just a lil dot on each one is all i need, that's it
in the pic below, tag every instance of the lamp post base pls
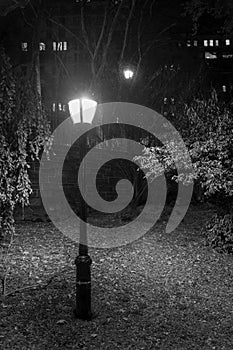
(83, 287)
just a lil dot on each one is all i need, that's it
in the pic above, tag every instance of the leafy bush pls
(219, 233)
(24, 131)
(206, 128)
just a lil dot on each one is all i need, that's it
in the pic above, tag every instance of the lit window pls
(216, 42)
(188, 43)
(227, 55)
(228, 42)
(24, 46)
(211, 42)
(195, 43)
(210, 56)
(42, 46)
(224, 88)
(205, 42)
(58, 106)
(165, 100)
(60, 46)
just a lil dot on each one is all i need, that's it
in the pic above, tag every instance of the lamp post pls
(82, 111)
(128, 75)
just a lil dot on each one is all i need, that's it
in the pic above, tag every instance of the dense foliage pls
(206, 128)
(24, 130)
(218, 12)
(219, 233)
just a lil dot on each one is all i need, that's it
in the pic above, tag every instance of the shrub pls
(24, 132)
(219, 233)
(206, 128)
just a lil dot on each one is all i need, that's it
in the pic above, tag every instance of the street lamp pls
(128, 73)
(82, 111)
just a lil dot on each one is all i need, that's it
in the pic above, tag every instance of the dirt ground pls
(163, 291)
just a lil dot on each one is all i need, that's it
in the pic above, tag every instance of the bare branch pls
(127, 29)
(151, 6)
(149, 47)
(65, 69)
(33, 9)
(84, 31)
(139, 48)
(102, 31)
(25, 20)
(109, 39)
(6, 8)
(73, 34)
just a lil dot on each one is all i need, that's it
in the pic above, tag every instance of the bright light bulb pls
(128, 73)
(88, 109)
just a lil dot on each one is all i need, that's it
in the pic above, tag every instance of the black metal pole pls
(83, 260)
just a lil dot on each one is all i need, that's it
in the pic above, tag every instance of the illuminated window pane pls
(228, 42)
(42, 46)
(227, 55)
(24, 46)
(59, 106)
(210, 56)
(188, 43)
(59, 46)
(211, 42)
(224, 88)
(216, 42)
(195, 43)
(54, 107)
(205, 42)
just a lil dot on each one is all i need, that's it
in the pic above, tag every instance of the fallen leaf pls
(61, 321)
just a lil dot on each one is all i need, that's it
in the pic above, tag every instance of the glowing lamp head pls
(82, 110)
(128, 73)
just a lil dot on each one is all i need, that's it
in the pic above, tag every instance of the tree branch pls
(84, 31)
(149, 47)
(127, 30)
(109, 39)
(70, 32)
(102, 31)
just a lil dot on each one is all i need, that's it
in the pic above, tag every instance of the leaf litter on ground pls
(164, 291)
